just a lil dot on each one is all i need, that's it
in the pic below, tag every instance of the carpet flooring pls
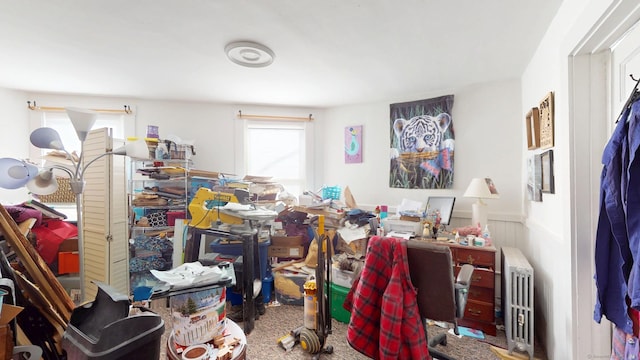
(262, 342)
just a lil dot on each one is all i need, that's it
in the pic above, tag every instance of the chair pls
(441, 297)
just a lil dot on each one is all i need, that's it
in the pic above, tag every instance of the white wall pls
(487, 124)
(212, 126)
(550, 243)
(14, 137)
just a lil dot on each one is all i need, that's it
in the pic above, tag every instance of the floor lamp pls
(16, 173)
(480, 188)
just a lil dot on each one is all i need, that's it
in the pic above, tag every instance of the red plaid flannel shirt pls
(385, 320)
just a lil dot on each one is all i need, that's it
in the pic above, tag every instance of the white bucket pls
(198, 316)
(199, 352)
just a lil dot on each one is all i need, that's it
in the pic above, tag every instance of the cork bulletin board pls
(545, 110)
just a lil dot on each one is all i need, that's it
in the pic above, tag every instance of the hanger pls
(635, 94)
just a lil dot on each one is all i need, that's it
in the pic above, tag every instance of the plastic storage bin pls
(68, 262)
(338, 294)
(342, 278)
(103, 330)
(331, 192)
(236, 250)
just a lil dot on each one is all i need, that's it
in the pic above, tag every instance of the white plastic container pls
(342, 278)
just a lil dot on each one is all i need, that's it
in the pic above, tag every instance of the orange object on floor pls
(68, 262)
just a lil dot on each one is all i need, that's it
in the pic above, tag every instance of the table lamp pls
(480, 188)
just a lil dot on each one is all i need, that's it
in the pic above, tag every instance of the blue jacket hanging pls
(618, 234)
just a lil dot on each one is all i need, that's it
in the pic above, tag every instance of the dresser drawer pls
(481, 277)
(481, 294)
(475, 257)
(480, 311)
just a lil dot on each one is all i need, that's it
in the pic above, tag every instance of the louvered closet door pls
(105, 216)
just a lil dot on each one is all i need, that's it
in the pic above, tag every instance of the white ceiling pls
(327, 53)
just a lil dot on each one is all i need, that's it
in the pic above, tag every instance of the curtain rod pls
(272, 117)
(125, 110)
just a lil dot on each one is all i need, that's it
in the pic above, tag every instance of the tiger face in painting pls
(422, 133)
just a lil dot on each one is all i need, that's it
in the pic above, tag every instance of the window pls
(119, 123)
(279, 150)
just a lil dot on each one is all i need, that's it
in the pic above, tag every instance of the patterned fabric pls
(385, 321)
(624, 346)
(422, 144)
(147, 263)
(157, 219)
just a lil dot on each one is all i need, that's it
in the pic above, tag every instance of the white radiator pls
(517, 298)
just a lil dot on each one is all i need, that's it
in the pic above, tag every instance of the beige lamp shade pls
(480, 188)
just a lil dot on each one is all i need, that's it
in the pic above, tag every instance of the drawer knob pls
(470, 259)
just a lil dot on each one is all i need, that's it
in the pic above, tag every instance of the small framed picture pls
(353, 144)
(532, 123)
(546, 161)
(534, 182)
(546, 118)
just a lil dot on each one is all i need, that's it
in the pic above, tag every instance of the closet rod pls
(126, 109)
(272, 117)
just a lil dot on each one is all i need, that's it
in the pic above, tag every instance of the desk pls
(480, 310)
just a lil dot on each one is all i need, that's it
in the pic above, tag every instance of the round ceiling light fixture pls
(250, 54)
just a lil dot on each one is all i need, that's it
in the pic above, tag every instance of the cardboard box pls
(68, 245)
(7, 314)
(286, 240)
(295, 252)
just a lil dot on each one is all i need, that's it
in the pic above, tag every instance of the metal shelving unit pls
(158, 193)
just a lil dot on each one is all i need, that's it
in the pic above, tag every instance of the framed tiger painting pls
(422, 144)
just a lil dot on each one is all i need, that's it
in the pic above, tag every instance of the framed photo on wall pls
(534, 182)
(546, 161)
(532, 123)
(546, 121)
(353, 144)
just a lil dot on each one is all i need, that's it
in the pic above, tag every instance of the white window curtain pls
(280, 150)
(121, 125)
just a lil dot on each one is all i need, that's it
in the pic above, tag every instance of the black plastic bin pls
(103, 330)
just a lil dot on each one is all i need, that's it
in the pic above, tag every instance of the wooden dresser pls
(480, 310)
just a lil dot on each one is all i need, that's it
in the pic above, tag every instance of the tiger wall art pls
(422, 144)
